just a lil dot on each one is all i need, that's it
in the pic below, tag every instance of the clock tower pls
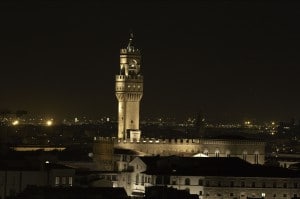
(129, 92)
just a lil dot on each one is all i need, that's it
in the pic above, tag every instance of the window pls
(242, 184)
(63, 180)
(56, 181)
(253, 184)
(187, 181)
(231, 194)
(200, 182)
(142, 180)
(137, 177)
(206, 152)
(295, 195)
(245, 155)
(70, 179)
(284, 195)
(285, 185)
(217, 153)
(274, 195)
(295, 185)
(200, 193)
(232, 184)
(263, 185)
(207, 183)
(256, 158)
(174, 182)
(219, 184)
(274, 184)
(188, 190)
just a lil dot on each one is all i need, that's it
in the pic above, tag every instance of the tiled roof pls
(208, 166)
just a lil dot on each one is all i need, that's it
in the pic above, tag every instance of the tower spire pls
(130, 46)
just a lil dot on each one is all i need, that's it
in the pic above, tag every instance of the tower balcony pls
(129, 77)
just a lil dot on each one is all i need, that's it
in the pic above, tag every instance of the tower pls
(129, 92)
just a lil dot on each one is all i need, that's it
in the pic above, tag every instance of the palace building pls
(129, 92)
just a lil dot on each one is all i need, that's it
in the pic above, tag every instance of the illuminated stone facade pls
(129, 92)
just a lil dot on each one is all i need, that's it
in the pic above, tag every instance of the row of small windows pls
(63, 181)
(144, 179)
(129, 86)
(187, 181)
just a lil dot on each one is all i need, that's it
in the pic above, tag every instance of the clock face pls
(133, 63)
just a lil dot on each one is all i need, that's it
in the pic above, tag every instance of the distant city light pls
(273, 123)
(16, 122)
(247, 122)
(49, 122)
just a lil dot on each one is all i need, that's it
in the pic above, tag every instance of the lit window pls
(256, 158)
(70, 181)
(245, 155)
(56, 181)
(217, 153)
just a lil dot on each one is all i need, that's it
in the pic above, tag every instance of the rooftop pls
(209, 166)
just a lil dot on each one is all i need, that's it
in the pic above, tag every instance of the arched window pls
(200, 182)
(187, 181)
(217, 153)
(228, 153)
(205, 152)
(244, 155)
(256, 157)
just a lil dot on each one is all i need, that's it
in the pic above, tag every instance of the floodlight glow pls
(16, 122)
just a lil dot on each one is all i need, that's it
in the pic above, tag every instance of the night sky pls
(231, 60)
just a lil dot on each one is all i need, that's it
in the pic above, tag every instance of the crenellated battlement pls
(182, 141)
(129, 51)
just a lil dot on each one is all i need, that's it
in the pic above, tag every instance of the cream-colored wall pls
(186, 147)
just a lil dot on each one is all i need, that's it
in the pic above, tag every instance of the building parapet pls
(180, 141)
(126, 51)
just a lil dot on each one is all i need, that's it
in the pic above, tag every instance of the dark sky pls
(232, 60)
